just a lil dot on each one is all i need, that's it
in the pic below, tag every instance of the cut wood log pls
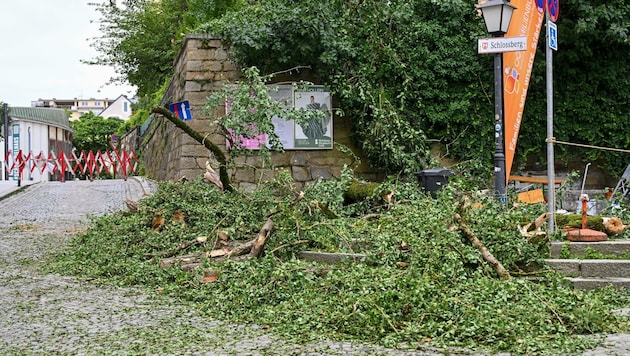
(261, 239)
(182, 260)
(538, 222)
(487, 256)
(186, 245)
(252, 249)
(613, 226)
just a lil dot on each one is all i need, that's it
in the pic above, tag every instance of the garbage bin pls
(433, 179)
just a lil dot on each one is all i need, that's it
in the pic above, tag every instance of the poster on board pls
(316, 133)
(313, 134)
(285, 129)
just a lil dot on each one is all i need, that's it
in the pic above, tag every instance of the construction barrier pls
(115, 162)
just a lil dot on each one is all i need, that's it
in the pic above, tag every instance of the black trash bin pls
(433, 179)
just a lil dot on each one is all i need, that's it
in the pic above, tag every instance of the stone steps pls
(584, 274)
(591, 274)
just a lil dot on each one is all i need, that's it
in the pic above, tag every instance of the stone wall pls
(203, 65)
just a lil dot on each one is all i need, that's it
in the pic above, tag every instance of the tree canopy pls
(406, 73)
(93, 133)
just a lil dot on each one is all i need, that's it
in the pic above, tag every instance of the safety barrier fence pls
(89, 164)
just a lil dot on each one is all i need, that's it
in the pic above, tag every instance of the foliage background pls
(406, 73)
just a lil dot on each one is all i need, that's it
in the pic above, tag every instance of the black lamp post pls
(497, 15)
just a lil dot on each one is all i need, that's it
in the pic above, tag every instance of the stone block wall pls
(203, 65)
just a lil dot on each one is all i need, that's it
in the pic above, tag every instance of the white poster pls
(315, 133)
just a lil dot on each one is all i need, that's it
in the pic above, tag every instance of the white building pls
(119, 108)
(33, 131)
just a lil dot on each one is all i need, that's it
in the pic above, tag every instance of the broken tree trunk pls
(216, 151)
(252, 248)
(496, 265)
(259, 242)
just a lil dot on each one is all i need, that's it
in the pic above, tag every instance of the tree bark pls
(496, 265)
(216, 151)
(259, 242)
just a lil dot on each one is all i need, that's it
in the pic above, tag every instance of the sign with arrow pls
(181, 110)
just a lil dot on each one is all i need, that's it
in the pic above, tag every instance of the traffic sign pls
(181, 110)
(552, 35)
(553, 6)
(501, 44)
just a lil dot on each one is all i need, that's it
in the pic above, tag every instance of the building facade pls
(42, 133)
(119, 108)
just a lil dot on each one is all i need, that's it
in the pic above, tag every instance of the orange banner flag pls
(517, 68)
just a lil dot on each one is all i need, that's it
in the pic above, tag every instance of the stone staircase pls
(591, 274)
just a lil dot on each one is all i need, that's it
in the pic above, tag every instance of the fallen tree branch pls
(299, 242)
(216, 151)
(198, 241)
(496, 265)
(538, 222)
(261, 239)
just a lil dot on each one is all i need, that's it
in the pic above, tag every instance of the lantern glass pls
(497, 15)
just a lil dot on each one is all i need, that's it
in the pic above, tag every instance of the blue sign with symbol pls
(181, 110)
(552, 34)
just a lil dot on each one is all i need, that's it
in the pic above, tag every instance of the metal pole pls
(551, 196)
(5, 122)
(499, 155)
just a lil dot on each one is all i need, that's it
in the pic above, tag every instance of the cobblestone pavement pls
(45, 314)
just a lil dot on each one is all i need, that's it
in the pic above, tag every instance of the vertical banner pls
(517, 68)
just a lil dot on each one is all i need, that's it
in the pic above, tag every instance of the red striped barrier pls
(88, 164)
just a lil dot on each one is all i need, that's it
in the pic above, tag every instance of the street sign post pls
(552, 35)
(501, 44)
(181, 110)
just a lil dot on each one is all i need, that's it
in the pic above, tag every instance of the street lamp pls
(497, 15)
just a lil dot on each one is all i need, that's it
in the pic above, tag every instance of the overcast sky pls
(42, 45)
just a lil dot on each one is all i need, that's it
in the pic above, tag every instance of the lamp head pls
(497, 15)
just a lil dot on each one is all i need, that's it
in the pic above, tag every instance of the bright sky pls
(43, 43)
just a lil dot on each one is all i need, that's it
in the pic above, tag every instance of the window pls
(125, 106)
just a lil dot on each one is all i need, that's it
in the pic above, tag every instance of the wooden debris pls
(209, 276)
(198, 241)
(223, 235)
(613, 226)
(178, 216)
(158, 222)
(263, 235)
(131, 205)
(212, 176)
(496, 265)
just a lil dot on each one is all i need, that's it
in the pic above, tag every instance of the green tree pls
(93, 133)
(407, 73)
(141, 37)
(591, 80)
(404, 72)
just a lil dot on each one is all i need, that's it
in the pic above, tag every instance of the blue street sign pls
(181, 110)
(552, 35)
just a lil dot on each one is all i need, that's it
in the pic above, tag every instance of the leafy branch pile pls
(422, 283)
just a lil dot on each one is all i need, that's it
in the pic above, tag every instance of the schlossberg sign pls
(501, 44)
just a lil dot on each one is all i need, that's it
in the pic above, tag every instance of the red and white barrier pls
(115, 162)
